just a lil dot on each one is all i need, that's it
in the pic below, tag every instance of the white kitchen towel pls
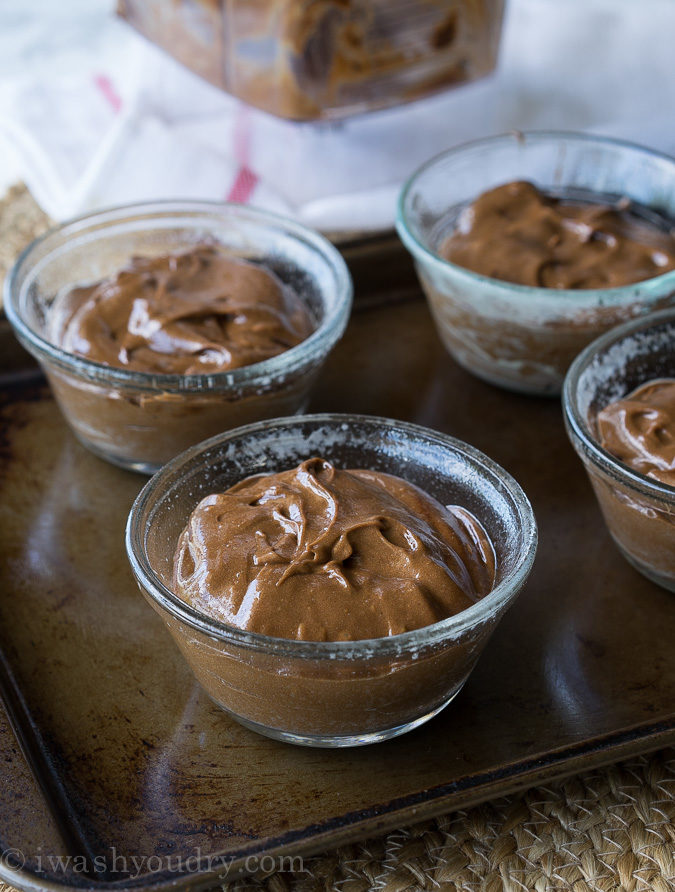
(91, 115)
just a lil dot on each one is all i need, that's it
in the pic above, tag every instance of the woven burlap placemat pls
(605, 830)
(609, 829)
(21, 220)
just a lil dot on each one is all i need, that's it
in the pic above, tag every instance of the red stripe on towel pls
(246, 180)
(243, 185)
(108, 91)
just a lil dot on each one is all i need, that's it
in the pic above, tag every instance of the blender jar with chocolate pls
(325, 58)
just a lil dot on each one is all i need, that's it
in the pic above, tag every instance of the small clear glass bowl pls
(140, 420)
(517, 336)
(343, 693)
(638, 510)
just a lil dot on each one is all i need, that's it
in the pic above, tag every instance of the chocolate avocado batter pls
(520, 234)
(639, 429)
(196, 312)
(322, 554)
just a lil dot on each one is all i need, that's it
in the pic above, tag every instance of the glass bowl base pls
(334, 741)
(665, 580)
(128, 464)
(532, 385)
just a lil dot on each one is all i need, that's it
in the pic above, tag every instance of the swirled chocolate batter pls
(196, 312)
(517, 233)
(639, 429)
(322, 554)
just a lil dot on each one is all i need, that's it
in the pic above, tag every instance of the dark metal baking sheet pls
(111, 753)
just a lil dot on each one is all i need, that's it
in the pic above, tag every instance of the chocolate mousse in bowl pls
(331, 579)
(619, 403)
(160, 325)
(529, 246)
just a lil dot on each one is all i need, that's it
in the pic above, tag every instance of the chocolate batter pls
(321, 554)
(639, 429)
(196, 312)
(520, 234)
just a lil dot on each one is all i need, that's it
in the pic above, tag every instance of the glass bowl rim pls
(319, 341)
(577, 425)
(575, 297)
(395, 645)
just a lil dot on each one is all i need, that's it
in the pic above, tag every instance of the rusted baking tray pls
(111, 755)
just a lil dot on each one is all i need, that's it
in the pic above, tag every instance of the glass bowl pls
(638, 510)
(140, 420)
(341, 693)
(517, 336)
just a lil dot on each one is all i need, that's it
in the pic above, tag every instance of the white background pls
(601, 65)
